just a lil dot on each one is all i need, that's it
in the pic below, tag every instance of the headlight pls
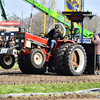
(17, 40)
(22, 41)
(2, 33)
(11, 33)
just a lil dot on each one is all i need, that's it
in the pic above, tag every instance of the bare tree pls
(93, 25)
(37, 24)
(38, 19)
(14, 17)
(26, 23)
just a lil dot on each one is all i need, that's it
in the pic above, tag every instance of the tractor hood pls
(24, 39)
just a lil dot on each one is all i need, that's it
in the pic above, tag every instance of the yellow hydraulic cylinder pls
(79, 5)
(54, 10)
(45, 19)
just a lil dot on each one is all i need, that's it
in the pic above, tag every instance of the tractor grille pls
(20, 39)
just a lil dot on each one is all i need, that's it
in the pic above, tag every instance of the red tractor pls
(67, 57)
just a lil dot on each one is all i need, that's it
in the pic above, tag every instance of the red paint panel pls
(10, 23)
(36, 38)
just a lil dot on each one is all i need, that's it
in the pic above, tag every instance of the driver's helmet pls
(56, 26)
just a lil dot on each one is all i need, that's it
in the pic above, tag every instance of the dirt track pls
(14, 77)
(63, 97)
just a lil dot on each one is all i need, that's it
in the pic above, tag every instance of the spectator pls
(0, 38)
(0, 42)
(3, 38)
(4, 44)
(69, 37)
(96, 40)
(12, 43)
(8, 42)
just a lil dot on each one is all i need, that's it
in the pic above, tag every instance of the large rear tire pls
(24, 65)
(20, 63)
(75, 60)
(58, 58)
(7, 61)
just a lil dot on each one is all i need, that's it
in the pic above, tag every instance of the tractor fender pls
(45, 53)
(69, 41)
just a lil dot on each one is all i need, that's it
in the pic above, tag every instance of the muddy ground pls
(63, 97)
(14, 77)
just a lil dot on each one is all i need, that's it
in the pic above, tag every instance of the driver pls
(53, 36)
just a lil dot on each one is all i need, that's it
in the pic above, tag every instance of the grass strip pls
(15, 66)
(47, 88)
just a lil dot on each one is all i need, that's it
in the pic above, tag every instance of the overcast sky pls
(17, 6)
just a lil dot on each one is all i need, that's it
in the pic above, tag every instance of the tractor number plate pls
(3, 51)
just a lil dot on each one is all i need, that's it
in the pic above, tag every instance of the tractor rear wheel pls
(7, 61)
(20, 63)
(37, 61)
(24, 65)
(75, 60)
(58, 58)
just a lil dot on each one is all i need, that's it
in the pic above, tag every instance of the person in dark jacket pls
(8, 41)
(53, 36)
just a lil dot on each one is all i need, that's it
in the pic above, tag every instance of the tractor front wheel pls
(37, 61)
